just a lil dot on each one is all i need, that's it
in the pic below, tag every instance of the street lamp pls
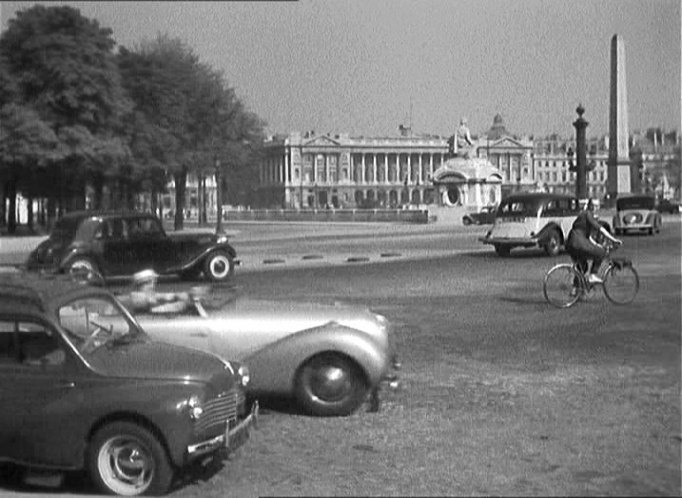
(218, 198)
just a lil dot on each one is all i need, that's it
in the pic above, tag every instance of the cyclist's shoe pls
(574, 292)
(594, 279)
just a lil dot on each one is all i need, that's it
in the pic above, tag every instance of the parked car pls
(670, 206)
(636, 213)
(83, 387)
(123, 243)
(485, 216)
(330, 359)
(532, 219)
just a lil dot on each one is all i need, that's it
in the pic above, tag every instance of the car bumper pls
(391, 379)
(509, 241)
(231, 439)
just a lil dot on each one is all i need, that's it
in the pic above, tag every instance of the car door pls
(116, 254)
(37, 381)
(163, 252)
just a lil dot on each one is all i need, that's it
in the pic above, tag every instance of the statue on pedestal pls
(463, 142)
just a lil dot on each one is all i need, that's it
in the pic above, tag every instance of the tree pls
(64, 70)
(188, 117)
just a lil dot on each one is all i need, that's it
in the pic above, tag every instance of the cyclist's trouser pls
(581, 250)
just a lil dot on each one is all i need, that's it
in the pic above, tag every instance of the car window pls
(30, 343)
(635, 202)
(144, 228)
(94, 322)
(113, 229)
(518, 207)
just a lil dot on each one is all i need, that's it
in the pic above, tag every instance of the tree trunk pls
(29, 212)
(12, 211)
(180, 179)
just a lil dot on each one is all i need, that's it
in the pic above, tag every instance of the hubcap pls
(220, 266)
(125, 466)
(330, 383)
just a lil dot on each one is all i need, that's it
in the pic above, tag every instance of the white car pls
(532, 219)
(636, 213)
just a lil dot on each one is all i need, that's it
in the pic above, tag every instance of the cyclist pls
(581, 244)
(145, 297)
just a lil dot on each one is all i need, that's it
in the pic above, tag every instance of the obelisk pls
(619, 177)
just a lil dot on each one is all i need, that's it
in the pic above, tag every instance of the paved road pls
(266, 246)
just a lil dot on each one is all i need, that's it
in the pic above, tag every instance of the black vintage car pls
(83, 387)
(122, 243)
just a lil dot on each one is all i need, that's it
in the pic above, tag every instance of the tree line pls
(78, 111)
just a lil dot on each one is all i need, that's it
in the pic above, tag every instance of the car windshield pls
(93, 323)
(636, 202)
(519, 207)
(65, 229)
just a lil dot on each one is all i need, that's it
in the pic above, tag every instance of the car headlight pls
(195, 408)
(244, 375)
(222, 239)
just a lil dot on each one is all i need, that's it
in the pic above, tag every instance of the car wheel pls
(85, 270)
(218, 266)
(126, 459)
(502, 250)
(330, 384)
(553, 244)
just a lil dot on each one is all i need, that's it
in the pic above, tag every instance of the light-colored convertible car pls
(330, 358)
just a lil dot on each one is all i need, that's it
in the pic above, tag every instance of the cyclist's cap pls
(145, 276)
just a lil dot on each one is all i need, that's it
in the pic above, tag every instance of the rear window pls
(636, 202)
(519, 207)
(529, 206)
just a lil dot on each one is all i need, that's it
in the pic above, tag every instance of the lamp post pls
(581, 154)
(218, 198)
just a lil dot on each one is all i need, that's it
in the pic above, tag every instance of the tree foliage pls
(61, 69)
(73, 111)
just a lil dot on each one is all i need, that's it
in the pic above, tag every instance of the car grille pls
(225, 407)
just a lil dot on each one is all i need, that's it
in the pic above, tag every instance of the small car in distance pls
(84, 388)
(669, 206)
(636, 213)
(329, 358)
(114, 243)
(532, 219)
(485, 216)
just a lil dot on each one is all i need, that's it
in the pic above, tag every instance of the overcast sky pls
(366, 66)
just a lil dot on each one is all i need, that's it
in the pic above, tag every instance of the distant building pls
(317, 171)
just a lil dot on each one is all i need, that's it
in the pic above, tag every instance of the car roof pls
(538, 195)
(43, 292)
(106, 214)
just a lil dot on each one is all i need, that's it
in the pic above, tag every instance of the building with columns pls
(318, 171)
(306, 171)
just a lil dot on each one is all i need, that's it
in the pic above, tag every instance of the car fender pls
(199, 258)
(550, 227)
(78, 252)
(273, 368)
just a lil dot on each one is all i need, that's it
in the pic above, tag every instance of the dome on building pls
(497, 130)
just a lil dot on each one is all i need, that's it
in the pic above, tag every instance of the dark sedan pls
(486, 216)
(114, 244)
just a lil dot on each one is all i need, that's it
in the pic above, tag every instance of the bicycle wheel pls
(621, 284)
(560, 287)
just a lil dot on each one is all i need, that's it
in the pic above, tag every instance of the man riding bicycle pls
(581, 244)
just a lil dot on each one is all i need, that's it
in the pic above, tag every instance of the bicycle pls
(565, 283)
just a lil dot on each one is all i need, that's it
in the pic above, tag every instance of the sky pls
(364, 67)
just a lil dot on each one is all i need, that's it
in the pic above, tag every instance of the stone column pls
(386, 167)
(374, 168)
(619, 175)
(364, 168)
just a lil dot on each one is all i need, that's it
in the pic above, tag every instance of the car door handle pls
(66, 384)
